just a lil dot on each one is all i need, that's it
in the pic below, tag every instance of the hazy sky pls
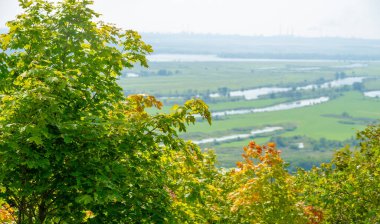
(344, 18)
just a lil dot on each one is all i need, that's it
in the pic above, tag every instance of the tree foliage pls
(74, 149)
(70, 142)
(346, 189)
(264, 190)
(195, 188)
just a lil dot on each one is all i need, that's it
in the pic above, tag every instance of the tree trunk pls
(21, 211)
(42, 212)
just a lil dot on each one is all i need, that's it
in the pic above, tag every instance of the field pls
(335, 121)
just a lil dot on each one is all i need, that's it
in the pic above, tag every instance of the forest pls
(76, 147)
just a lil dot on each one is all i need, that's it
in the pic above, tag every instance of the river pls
(239, 136)
(278, 107)
(372, 94)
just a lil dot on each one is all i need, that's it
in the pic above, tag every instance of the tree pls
(197, 189)
(264, 191)
(346, 189)
(340, 75)
(358, 86)
(223, 91)
(73, 148)
(164, 72)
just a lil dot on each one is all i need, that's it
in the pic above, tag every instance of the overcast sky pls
(343, 18)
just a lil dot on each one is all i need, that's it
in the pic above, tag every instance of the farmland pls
(309, 134)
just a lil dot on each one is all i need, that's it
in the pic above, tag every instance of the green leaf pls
(84, 199)
(35, 139)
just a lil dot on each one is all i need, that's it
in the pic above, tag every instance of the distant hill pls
(281, 47)
(273, 47)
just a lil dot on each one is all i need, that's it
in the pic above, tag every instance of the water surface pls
(252, 94)
(239, 136)
(278, 107)
(372, 93)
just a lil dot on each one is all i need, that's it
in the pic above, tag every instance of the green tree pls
(197, 188)
(358, 86)
(72, 147)
(223, 91)
(347, 188)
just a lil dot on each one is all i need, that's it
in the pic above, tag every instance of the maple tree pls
(71, 144)
(74, 149)
(264, 191)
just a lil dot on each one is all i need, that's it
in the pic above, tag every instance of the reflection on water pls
(336, 83)
(132, 75)
(252, 94)
(236, 137)
(278, 107)
(372, 94)
(214, 95)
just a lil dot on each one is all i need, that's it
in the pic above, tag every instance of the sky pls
(310, 18)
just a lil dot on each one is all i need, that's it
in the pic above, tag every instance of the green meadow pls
(338, 120)
(209, 76)
(313, 121)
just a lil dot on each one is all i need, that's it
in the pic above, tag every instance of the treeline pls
(301, 56)
(160, 72)
(276, 47)
(321, 144)
(258, 190)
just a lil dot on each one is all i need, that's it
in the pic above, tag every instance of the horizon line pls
(248, 35)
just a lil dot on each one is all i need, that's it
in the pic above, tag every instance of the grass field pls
(204, 76)
(309, 120)
(373, 84)
(339, 119)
